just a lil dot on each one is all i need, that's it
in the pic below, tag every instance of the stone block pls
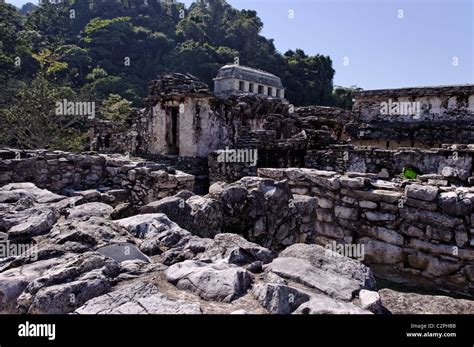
(420, 192)
(346, 213)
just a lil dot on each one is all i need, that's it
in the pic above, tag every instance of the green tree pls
(308, 79)
(102, 87)
(116, 109)
(32, 120)
(343, 96)
(16, 63)
(76, 58)
(53, 22)
(107, 40)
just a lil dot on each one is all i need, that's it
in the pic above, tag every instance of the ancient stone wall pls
(227, 171)
(437, 104)
(140, 181)
(282, 140)
(415, 234)
(423, 116)
(449, 164)
(109, 137)
(198, 167)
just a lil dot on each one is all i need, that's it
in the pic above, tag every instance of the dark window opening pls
(270, 91)
(278, 94)
(100, 143)
(241, 86)
(107, 141)
(260, 89)
(172, 133)
(251, 88)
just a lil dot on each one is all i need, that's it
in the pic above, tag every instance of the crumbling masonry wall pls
(283, 141)
(137, 181)
(449, 164)
(446, 116)
(416, 234)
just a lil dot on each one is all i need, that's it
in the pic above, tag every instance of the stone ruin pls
(443, 115)
(238, 79)
(184, 120)
(324, 220)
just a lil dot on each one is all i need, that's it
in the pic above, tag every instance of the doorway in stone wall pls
(173, 130)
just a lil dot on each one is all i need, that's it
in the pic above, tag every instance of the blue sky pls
(370, 46)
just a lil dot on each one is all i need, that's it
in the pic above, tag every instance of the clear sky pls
(375, 43)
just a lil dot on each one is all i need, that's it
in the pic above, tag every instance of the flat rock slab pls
(137, 298)
(301, 271)
(413, 303)
(326, 305)
(88, 234)
(91, 209)
(323, 270)
(15, 191)
(323, 258)
(66, 297)
(123, 252)
(218, 282)
(15, 280)
(69, 284)
(29, 222)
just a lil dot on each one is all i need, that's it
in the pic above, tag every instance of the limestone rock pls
(121, 252)
(175, 208)
(14, 281)
(147, 225)
(240, 251)
(29, 222)
(15, 191)
(218, 282)
(207, 216)
(187, 248)
(301, 271)
(325, 305)
(157, 230)
(278, 298)
(370, 300)
(420, 192)
(91, 209)
(124, 210)
(453, 205)
(137, 298)
(68, 284)
(324, 259)
(64, 298)
(83, 235)
(413, 303)
(435, 219)
(381, 252)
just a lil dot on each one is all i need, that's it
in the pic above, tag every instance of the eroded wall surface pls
(137, 181)
(445, 115)
(452, 164)
(416, 234)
